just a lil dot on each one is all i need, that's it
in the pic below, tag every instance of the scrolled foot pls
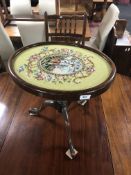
(34, 111)
(70, 154)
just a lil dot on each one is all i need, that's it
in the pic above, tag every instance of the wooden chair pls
(66, 28)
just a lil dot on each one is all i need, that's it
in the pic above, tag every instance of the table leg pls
(71, 153)
(36, 110)
(61, 106)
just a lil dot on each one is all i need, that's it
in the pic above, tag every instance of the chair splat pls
(65, 28)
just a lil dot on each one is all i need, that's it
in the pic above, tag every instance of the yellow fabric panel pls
(79, 80)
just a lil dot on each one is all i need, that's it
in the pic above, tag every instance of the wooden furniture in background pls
(71, 7)
(4, 12)
(80, 6)
(99, 9)
(12, 30)
(120, 27)
(118, 47)
(66, 28)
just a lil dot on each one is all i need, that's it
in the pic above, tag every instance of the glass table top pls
(61, 67)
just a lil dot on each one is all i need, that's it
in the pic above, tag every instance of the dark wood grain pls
(37, 145)
(9, 99)
(117, 109)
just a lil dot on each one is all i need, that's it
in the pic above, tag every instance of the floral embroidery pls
(58, 65)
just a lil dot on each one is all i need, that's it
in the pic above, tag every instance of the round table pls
(62, 73)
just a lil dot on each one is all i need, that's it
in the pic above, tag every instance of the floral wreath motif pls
(58, 65)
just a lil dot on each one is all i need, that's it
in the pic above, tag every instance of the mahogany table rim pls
(58, 98)
(59, 94)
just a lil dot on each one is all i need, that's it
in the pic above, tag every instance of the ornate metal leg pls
(82, 102)
(35, 111)
(71, 152)
(61, 106)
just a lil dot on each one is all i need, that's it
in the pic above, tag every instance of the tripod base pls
(60, 106)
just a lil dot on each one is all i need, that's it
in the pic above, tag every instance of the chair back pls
(106, 25)
(22, 7)
(6, 46)
(48, 6)
(66, 28)
(31, 31)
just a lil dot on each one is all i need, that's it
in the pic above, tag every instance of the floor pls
(37, 145)
(101, 133)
